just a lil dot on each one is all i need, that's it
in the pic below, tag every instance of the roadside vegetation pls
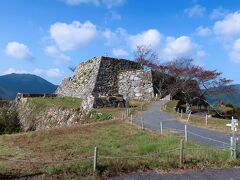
(113, 139)
(9, 121)
(214, 123)
(107, 113)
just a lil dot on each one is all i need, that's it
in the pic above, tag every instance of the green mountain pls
(12, 84)
(233, 99)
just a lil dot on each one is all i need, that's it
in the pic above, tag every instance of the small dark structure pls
(22, 95)
(110, 101)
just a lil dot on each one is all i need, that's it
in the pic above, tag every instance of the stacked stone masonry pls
(136, 84)
(103, 76)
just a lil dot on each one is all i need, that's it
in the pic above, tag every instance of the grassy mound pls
(113, 138)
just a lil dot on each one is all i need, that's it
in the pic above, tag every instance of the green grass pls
(213, 123)
(67, 102)
(113, 138)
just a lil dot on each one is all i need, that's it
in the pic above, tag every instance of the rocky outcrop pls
(35, 118)
(136, 84)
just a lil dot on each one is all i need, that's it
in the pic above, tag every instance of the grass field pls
(213, 123)
(113, 138)
(67, 102)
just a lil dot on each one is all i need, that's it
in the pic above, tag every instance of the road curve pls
(153, 116)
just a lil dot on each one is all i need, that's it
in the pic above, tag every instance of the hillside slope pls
(12, 84)
(233, 99)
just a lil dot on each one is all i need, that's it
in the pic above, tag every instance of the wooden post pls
(95, 159)
(131, 119)
(189, 115)
(185, 133)
(181, 153)
(181, 113)
(177, 111)
(235, 148)
(161, 127)
(141, 107)
(206, 119)
(122, 116)
(142, 122)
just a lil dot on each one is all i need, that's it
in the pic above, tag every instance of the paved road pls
(153, 116)
(218, 174)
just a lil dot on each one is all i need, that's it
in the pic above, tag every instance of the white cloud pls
(38, 71)
(218, 13)
(54, 73)
(108, 3)
(113, 3)
(56, 54)
(18, 51)
(113, 38)
(195, 11)
(235, 52)
(119, 52)
(77, 2)
(112, 16)
(229, 26)
(203, 31)
(13, 70)
(71, 36)
(151, 37)
(180, 47)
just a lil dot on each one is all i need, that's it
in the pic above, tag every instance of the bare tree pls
(145, 53)
(72, 68)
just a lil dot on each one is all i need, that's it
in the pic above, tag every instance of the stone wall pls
(83, 81)
(136, 84)
(107, 78)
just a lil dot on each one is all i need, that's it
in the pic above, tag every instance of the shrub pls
(101, 116)
(9, 122)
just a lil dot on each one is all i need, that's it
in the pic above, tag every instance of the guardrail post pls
(131, 119)
(95, 159)
(181, 153)
(122, 116)
(161, 127)
(142, 122)
(185, 133)
(181, 113)
(177, 111)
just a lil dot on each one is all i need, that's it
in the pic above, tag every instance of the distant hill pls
(12, 84)
(233, 99)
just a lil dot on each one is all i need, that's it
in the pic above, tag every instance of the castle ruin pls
(105, 76)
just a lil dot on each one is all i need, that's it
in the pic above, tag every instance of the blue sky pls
(45, 37)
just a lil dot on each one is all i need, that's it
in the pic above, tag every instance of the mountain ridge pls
(11, 84)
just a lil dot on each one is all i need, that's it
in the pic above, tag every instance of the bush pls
(103, 116)
(9, 122)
